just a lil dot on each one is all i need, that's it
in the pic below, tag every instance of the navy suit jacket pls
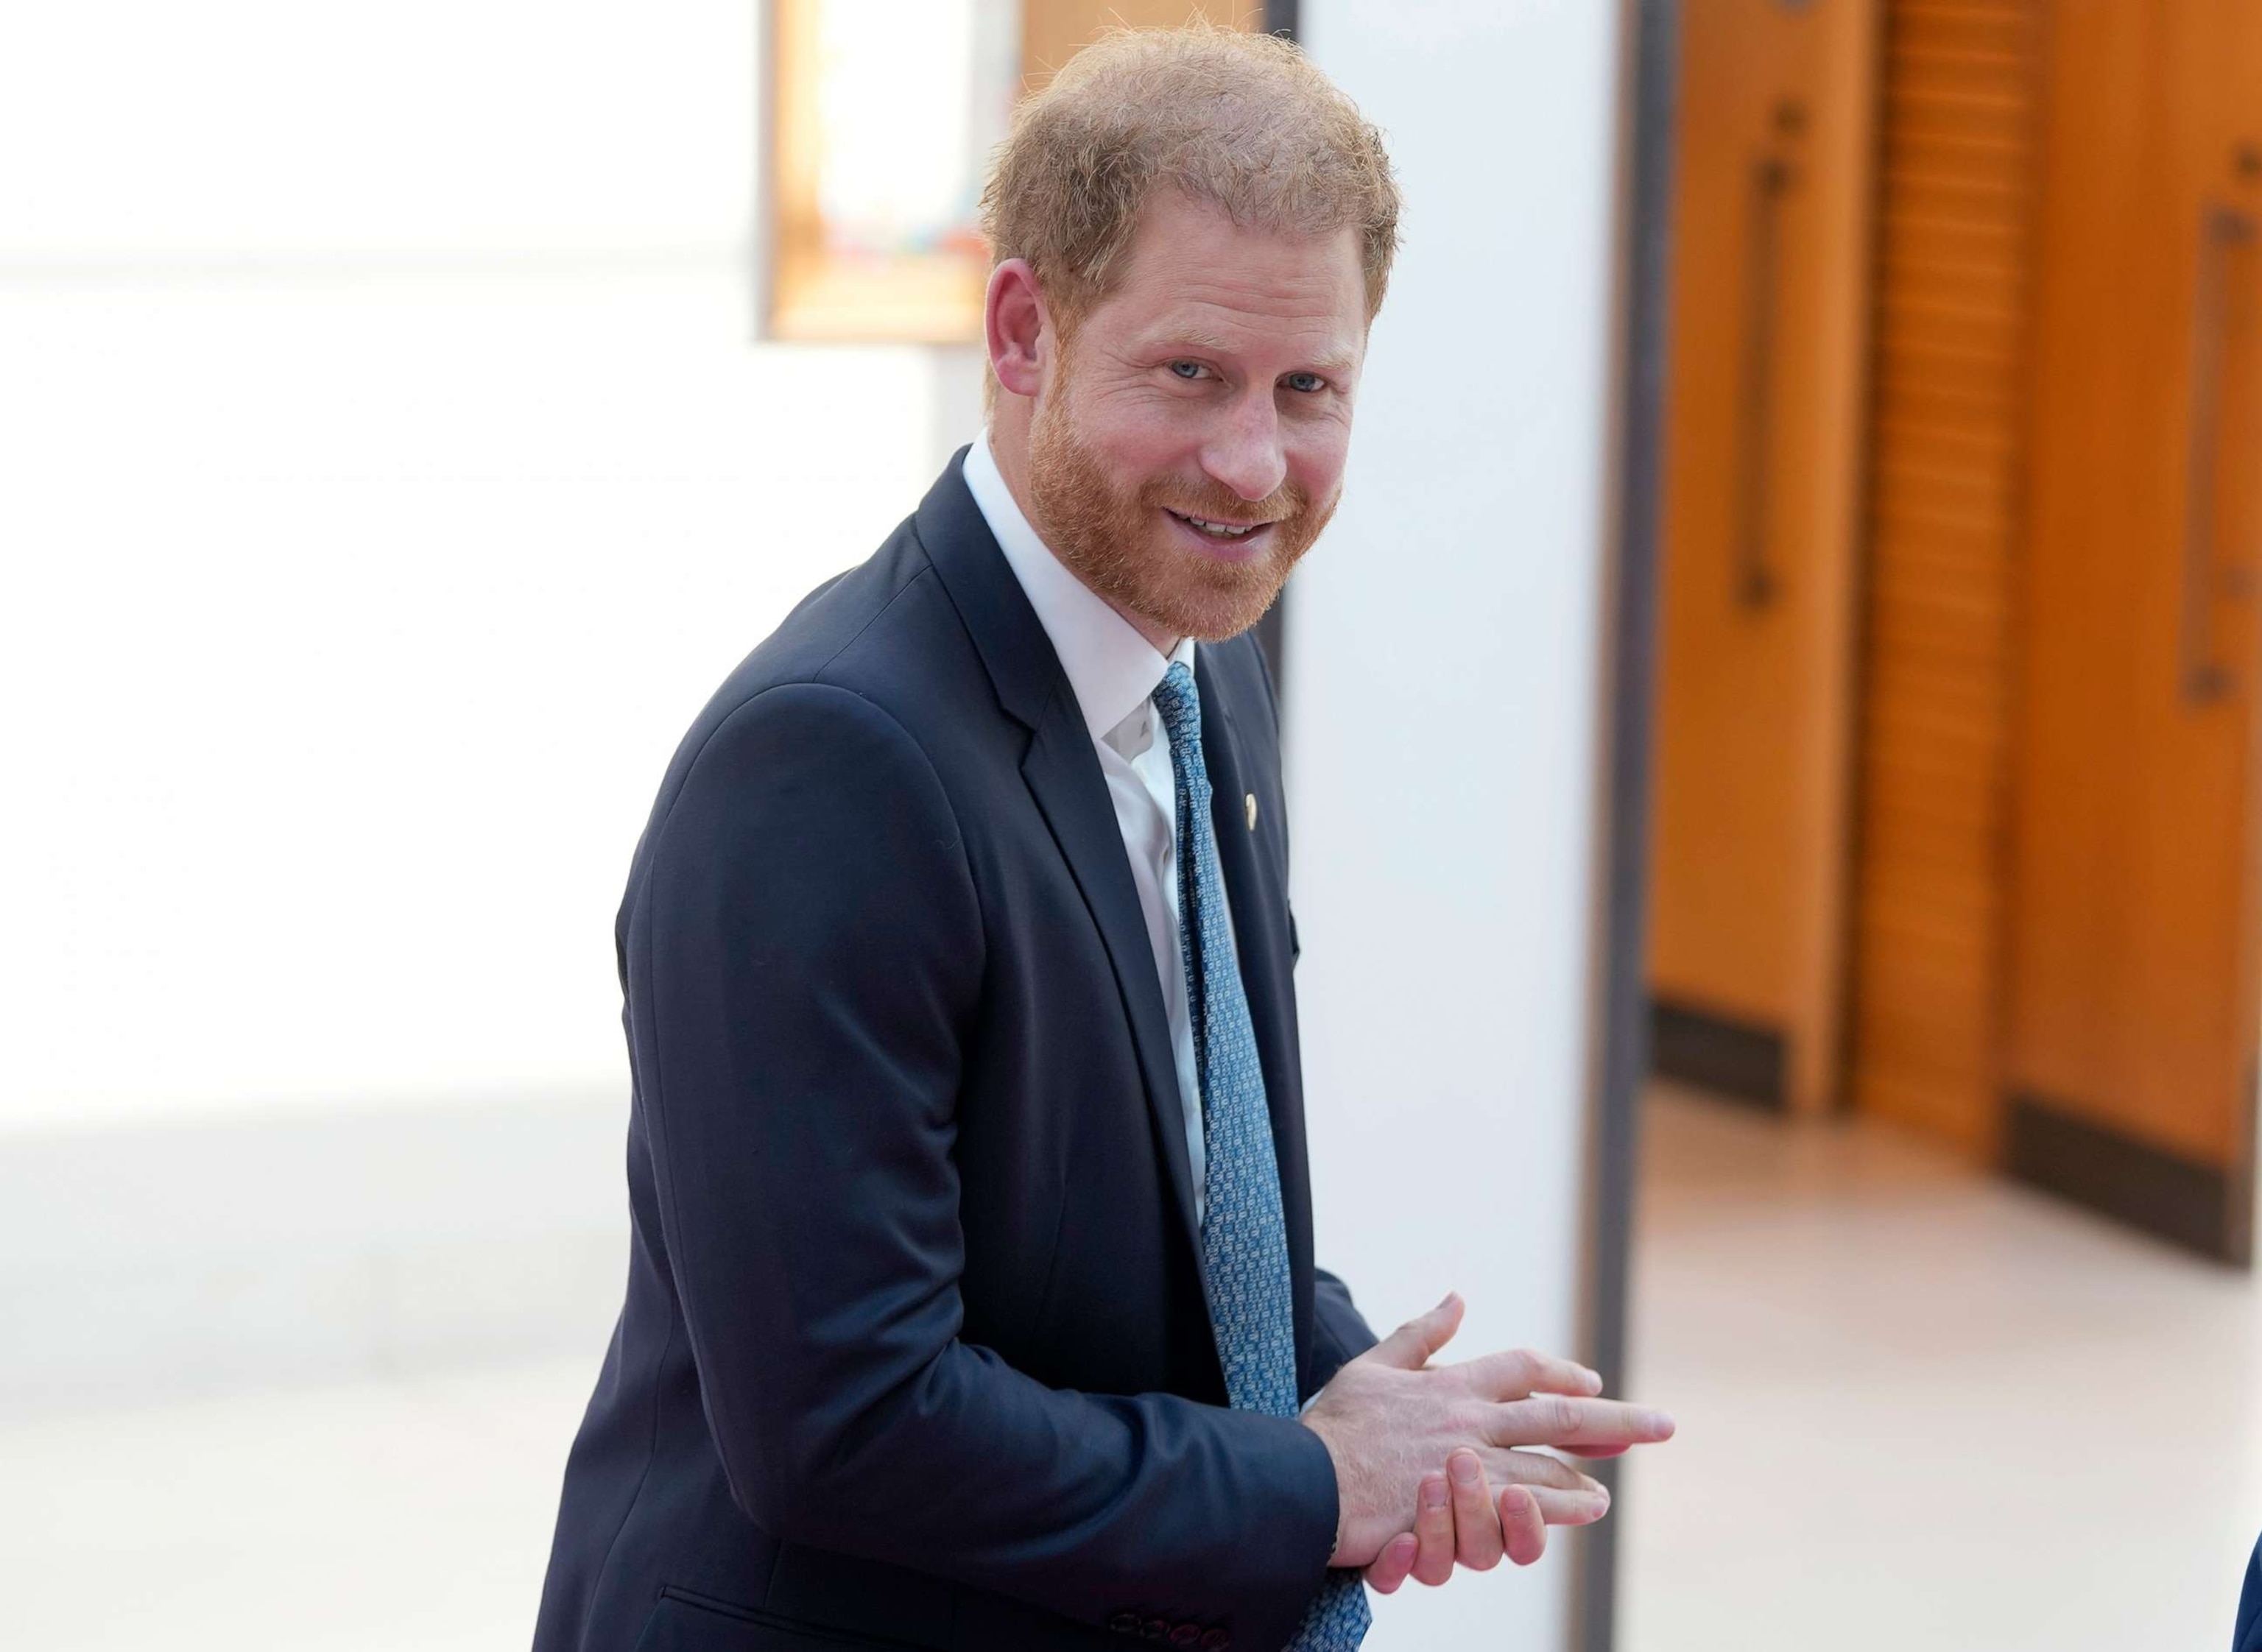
(915, 1351)
(2246, 1634)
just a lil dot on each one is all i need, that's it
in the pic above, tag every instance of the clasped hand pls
(1437, 1439)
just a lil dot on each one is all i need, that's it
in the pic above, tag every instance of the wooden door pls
(1762, 444)
(2133, 995)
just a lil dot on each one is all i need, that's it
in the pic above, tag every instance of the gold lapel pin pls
(1248, 804)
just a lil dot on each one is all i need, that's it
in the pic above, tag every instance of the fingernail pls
(1433, 1493)
(1660, 1424)
(1594, 1379)
(1462, 1466)
(1449, 1299)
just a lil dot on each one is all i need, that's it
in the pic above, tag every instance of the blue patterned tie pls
(1244, 1236)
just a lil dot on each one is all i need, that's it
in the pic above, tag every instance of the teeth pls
(1218, 530)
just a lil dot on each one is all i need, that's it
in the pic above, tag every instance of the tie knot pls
(1179, 702)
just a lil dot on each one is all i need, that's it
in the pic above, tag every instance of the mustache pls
(1284, 504)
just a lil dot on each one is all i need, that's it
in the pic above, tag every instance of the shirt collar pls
(1113, 669)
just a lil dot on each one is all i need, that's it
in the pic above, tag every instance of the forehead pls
(1193, 276)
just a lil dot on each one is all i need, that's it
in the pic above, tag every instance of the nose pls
(1246, 455)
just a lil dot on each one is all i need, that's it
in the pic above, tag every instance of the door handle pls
(1755, 583)
(2200, 677)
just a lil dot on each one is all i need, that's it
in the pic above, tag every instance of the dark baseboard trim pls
(1739, 1059)
(2200, 1207)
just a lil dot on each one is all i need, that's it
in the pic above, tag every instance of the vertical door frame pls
(1281, 18)
(1649, 66)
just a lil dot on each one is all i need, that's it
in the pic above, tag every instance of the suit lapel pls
(1063, 774)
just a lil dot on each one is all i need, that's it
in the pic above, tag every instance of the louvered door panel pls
(1960, 109)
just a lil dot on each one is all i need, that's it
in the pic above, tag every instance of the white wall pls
(1442, 715)
(390, 477)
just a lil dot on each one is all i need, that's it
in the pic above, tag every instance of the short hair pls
(1244, 121)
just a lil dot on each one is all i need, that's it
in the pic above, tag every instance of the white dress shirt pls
(1115, 672)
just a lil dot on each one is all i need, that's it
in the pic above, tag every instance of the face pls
(1187, 444)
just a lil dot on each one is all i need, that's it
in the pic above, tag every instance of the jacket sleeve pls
(2246, 1635)
(1339, 1331)
(804, 955)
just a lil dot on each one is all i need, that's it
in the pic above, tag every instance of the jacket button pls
(1155, 1629)
(1124, 1623)
(1217, 1640)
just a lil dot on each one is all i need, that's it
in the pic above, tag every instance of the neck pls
(1009, 445)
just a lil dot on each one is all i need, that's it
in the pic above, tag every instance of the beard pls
(1115, 539)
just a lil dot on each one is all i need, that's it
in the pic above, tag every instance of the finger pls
(1560, 1420)
(1513, 1374)
(1598, 1451)
(1521, 1529)
(1393, 1565)
(1567, 1508)
(1413, 1344)
(1476, 1522)
(1433, 1531)
(1566, 1497)
(1535, 1469)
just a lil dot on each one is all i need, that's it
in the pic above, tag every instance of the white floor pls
(401, 1516)
(1919, 1410)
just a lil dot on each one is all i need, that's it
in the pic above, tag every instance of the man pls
(972, 1301)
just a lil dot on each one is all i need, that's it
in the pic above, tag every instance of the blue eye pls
(1306, 381)
(1186, 369)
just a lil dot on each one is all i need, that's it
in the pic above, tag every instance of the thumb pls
(1414, 1344)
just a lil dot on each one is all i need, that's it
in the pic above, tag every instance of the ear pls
(1018, 327)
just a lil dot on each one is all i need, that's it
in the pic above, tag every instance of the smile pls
(1218, 530)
